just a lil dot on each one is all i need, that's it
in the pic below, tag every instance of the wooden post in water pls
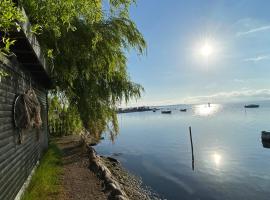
(191, 143)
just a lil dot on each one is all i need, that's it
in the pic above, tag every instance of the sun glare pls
(206, 109)
(216, 159)
(206, 50)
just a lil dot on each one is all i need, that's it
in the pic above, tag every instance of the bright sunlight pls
(216, 159)
(207, 49)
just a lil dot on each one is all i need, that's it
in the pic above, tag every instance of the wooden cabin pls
(25, 68)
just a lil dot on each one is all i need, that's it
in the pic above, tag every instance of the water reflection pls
(231, 161)
(207, 109)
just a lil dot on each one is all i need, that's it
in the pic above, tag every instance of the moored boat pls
(266, 135)
(155, 109)
(166, 112)
(183, 110)
(252, 106)
(266, 144)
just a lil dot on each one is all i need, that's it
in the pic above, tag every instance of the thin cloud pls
(245, 94)
(254, 30)
(231, 96)
(257, 58)
(149, 103)
(239, 80)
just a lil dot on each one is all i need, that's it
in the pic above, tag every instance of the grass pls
(45, 183)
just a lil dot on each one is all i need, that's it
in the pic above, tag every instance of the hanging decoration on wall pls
(27, 112)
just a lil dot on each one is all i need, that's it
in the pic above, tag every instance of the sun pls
(207, 49)
(217, 159)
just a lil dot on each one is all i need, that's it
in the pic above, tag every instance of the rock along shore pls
(120, 184)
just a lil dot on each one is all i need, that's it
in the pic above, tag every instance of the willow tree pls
(10, 16)
(87, 46)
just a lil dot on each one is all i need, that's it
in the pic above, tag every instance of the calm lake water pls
(230, 160)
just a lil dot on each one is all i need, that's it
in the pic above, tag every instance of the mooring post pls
(191, 143)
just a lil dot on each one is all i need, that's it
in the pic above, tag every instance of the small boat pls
(266, 144)
(155, 109)
(166, 112)
(252, 106)
(266, 136)
(183, 110)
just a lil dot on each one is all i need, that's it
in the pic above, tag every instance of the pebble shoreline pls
(117, 182)
(111, 185)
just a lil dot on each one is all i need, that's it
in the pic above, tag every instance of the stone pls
(92, 153)
(101, 168)
(108, 179)
(97, 165)
(117, 185)
(111, 186)
(106, 171)
(111, 159)
(120, 197)
(93, 165)
(93, 144)
(116, 192)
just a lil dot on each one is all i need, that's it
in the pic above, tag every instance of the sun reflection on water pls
(207, 109)
(217, 159)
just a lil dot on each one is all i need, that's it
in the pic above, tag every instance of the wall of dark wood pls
(17, 160)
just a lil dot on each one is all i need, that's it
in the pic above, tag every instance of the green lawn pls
(45, 184)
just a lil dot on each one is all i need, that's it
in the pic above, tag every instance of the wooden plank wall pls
(17, 160)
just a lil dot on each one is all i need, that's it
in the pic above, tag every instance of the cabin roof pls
(29, 53)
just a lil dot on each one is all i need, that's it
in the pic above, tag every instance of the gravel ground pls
(78, 182)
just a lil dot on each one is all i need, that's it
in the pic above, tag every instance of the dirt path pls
(78, 182)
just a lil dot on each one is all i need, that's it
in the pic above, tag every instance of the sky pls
(174, 69)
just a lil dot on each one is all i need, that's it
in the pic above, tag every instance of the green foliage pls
(7, 42)
(60, 112)
(45, 182)
(50, 53)
(10, 17)
(87, 47)
(96, 79)
(3, 74)
(55, 17)
(36, 29)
